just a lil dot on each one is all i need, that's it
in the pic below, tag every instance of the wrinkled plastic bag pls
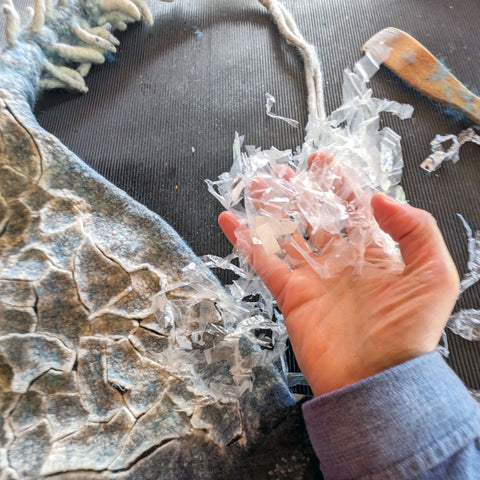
(260, 190)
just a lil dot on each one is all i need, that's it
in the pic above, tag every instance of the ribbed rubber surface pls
(161, 118)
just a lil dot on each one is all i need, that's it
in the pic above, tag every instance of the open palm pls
(354, 324)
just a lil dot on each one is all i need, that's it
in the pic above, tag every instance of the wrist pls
(336, 377)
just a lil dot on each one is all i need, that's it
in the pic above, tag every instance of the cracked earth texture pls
(103, 372)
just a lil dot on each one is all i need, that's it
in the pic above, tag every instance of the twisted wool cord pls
(313, 74)
(314, 63)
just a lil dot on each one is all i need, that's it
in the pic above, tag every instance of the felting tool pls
(412, 62)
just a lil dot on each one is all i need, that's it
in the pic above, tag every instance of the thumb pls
(415, 230)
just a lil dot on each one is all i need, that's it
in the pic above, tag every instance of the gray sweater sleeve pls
(415, 420)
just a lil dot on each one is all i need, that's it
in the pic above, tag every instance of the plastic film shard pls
(245, 334)
(475, 394)
(466, 323)
(439, 152)
(270, 102)
(442, 347)
(473, 263)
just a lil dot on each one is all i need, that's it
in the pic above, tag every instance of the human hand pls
(352, 325)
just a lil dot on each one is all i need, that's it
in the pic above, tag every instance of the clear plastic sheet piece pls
(466, 323)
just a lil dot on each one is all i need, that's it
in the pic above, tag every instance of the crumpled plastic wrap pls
(473, 263)
(217, 358)
(260, 191)
(442, 347)
(466, 323)
(440, 154)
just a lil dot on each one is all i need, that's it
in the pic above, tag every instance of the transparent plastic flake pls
(442, 347)
(217, 336)
(466, 323)
(475, 394)
(440, 154)
(473, 263)
(270, 102)
(295, 379)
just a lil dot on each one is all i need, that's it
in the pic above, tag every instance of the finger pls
(332, 176)
(269, 268)
(284, 172)
(335, 178)
(321, 234)
(267, 193)
(319, 159)
(415, 230)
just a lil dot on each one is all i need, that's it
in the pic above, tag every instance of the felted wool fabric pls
(99, 375)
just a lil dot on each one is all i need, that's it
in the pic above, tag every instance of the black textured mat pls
(161, 118)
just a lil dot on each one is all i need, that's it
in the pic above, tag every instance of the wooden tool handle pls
(412, 62)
